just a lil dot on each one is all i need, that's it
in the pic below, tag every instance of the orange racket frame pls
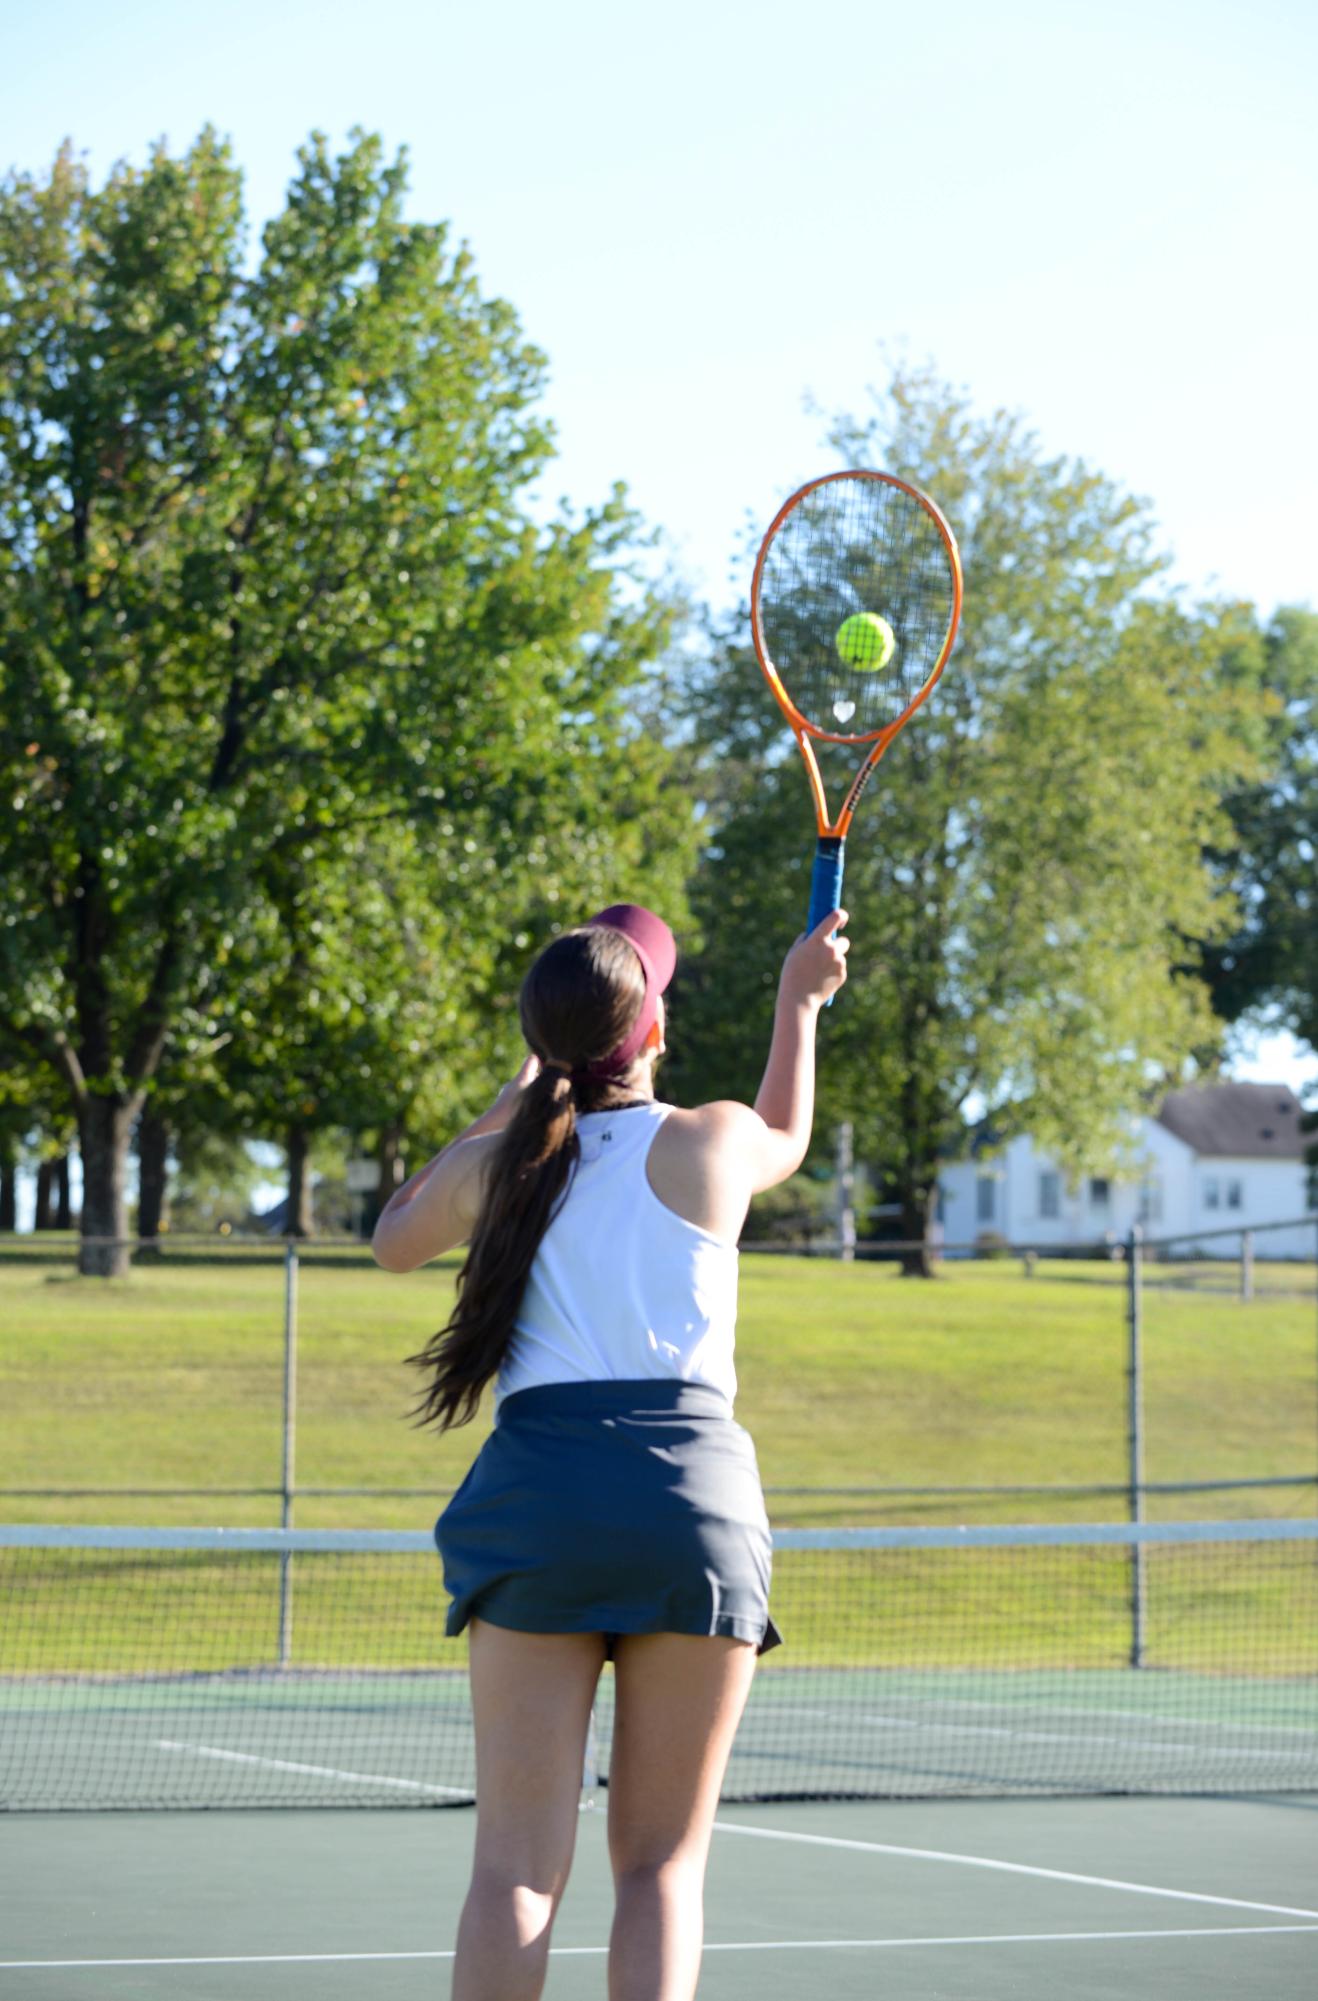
(802, 728)
(830, 849)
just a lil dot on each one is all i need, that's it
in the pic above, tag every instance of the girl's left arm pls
(436, 1210)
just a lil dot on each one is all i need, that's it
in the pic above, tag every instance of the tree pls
(1269, 858)
(268, 580)
(386, 1007)
(36, 1131)
(1024, 865)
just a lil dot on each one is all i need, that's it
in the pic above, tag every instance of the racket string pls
(855, 545)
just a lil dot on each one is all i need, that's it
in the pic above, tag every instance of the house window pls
(1151, 1200)
(1234, 1194)
(984, 1198)
(1100, 1190)
(1212, 1194)
(1050, 1195)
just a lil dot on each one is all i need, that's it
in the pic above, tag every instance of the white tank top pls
(622, 1287)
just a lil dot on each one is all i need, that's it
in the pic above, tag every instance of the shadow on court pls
(1087, 1898)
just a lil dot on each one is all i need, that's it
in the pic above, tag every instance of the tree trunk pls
(917, 1214)
(63, 1195)
(104, 1129)
(8, 1189)
(388, 1154)
(300, 1221)
(43, 1215)
(153, 1175)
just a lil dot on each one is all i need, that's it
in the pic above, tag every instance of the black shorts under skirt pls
(612, 1507)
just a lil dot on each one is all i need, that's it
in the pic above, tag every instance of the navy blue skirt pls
(612, 1507)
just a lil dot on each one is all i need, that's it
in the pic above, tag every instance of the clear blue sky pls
(1104, 216)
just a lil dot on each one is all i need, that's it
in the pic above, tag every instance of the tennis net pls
(185, 1668)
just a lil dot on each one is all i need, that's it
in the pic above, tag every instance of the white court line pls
(599, 1951)
(313, 1771)
(947, 1729)
(1064, 1709)
(947, 1716)
(1010, 1868)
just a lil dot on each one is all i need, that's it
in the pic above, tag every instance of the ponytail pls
(581, 994)
(529, 1177)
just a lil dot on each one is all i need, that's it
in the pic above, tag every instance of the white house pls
(1214, 1157)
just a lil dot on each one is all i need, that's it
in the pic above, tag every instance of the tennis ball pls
(865, 641)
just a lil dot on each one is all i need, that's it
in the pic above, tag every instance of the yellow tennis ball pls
(866, 642)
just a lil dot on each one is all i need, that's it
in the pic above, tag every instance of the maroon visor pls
(656, 948)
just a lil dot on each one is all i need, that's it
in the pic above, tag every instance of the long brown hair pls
(578, 1002)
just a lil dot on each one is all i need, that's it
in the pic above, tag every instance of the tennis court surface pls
(990, 1761)
(1125, 1898)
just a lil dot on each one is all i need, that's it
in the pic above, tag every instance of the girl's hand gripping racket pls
(855, 603)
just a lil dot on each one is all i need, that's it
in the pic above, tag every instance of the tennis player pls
(615, 1510)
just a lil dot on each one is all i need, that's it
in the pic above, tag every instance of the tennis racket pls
(855, 603)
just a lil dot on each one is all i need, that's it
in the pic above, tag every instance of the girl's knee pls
(678, 1873)
(513, 1860)
(528, 1906)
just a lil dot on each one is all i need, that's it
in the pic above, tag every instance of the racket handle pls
(826, 882)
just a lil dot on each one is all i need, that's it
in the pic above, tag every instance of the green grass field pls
(850, 1377)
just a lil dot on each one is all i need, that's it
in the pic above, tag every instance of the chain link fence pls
(250, 1383)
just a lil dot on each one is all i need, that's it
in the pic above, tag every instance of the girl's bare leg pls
(531, 1701)
(679, 1701)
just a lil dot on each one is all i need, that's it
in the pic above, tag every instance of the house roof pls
(1236, 1121)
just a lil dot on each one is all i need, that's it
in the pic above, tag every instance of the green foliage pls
(216, 1182)
(1024, 867)
(283, 657)
(35, 1121)
(1270, 855)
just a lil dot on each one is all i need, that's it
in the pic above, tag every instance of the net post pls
(1135, 1432)
(1247, 1264)
(288, 1475)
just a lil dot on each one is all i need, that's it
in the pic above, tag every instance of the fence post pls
(1247, 1264)
(590, 1764)
(1135, 1432)
(289, 1474)
(846, 1193)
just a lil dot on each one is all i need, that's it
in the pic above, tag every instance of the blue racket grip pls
(826, 883)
